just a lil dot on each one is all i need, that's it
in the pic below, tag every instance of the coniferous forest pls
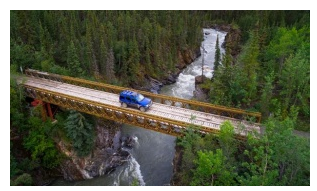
(266, 68)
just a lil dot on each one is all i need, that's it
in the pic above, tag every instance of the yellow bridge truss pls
(128, 116)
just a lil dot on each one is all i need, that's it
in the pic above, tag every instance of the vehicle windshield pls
(139, 97)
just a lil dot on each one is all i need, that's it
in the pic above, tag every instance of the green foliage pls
(291, 153)
(249, 62)
(80, 132)
(36, 138)
(21, 54)
(190, 143)
(40, 143)
(73, 61)
(14, 170)
(151, 41)
(267, 93)
(209, 166)
(133, 60)
(211, 170)
(278, 157)
(227, 141)
(17, 103)
(135, 182)
(227, 88)
(284, 43)
(110, 74)
(295, 82)
(217, 56)
(272, 72)
(103, 57)
(22, 180)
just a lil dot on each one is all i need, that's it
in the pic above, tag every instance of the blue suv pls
(134, 99)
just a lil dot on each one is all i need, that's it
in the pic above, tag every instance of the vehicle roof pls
(128, 92)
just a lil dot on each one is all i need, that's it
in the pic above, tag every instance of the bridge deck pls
(170, 112)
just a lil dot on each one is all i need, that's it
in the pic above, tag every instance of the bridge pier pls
(49, 110)
(46, 110)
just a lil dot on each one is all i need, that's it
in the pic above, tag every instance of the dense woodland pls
(270, 73)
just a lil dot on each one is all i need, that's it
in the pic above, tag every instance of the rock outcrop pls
(200, 93)
(105, 157)
(232, 39)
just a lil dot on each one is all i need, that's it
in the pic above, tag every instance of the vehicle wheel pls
(142, 109)
(123, 104)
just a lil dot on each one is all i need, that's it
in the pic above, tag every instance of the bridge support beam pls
(43, 111)
(46, 109)
(49, 110)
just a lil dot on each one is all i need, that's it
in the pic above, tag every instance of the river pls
(152, 156)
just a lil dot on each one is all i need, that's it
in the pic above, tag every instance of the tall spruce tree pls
(103, 58)
(80, 132)
(250, 64)
(91, 55)
(217, 56)
(73, 61)
(133, 59)
(110, 74)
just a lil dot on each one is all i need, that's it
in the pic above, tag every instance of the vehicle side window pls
(121, 97)
(129, 99)
(133, 100)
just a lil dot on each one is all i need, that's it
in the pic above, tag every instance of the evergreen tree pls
(111, 34)
(73, 61)
(250, 65)
(284, 43)
(103, 58)
(148, 64)
(110, 65)
(45, 40)
(227, 59)
(92, 59)
(80, 132)
(217, 57)
(267, 93)
(294, 81)
(121, 58)
(133, 60)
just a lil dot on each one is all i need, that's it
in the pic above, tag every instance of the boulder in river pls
(129, 141)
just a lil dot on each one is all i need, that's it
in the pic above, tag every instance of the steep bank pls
(232, 41)
(177, 161)
(104, 158)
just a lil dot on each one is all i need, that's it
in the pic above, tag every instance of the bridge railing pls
(191, 104)
(124, 115)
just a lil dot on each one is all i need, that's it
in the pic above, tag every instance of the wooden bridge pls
(168, 114)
